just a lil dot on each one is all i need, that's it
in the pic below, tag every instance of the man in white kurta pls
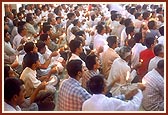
(137, 48)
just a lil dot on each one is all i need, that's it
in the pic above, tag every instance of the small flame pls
(141, 60)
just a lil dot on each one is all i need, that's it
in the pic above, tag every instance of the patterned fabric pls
(87, 75)
(154, 91)
(71, 95)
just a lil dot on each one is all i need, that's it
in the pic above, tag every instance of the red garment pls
(145, 55)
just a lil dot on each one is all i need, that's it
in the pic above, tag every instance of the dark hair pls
(43, 37)
(96, 84)
(137, 15)
(111, 40)
(132, 10)
(57, 18)
(28, 47)
(99, 28)
(74, 44)
(157, 49)
(138, 37)
(114, 16)
(6, 71)
(145, 15)
(149, 41)
(80, 33)
(30, 59)
(40, 45)
(5, 32)
(73, 67)
(29, 18)
(122, 21)
(12, 86)
(160, 64)
(158, 10)
(129, 29)
(20, 29)
(127, 22)
(161, 30)
(75, 22)
(21, 23)
(90, 61)
(93, 16)
(46, 28)
(151, 24)
(70, 15)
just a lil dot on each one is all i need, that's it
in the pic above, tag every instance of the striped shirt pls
(154, 91)
(71, 95)
(87, 75)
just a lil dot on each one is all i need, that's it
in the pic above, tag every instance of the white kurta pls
(138, 47)
(99, 102)
(153, 63)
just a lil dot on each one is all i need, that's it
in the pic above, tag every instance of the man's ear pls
(15, 97)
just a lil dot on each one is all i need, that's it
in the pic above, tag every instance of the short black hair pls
(40, 45)
(28, 47)
(30, 59)
(160, 64)
(145, 15)
(6, 71)
(151, 24)
(138, 37)
(43, 37)
(74, 44)
(73, 67)
(12, 86)
(99, 28)
(127, 22)
(129, 29)
(96, 84)
(157, 49)
(149, 41)
(137, 15)
(90, 61)
(161, 30)
(111, 40)
(46, 28)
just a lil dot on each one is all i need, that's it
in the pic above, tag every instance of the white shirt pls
(138, 47)
(8, 107)
(161, 40)
(16, 41)
(99, 102)
(114, 25)
(100, 40)
(76, 57)
(153, 63)
(137, 24)
(31, 82)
